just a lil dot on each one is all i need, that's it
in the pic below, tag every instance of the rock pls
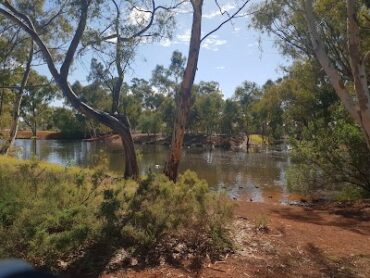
(134, 262)
(179, 248)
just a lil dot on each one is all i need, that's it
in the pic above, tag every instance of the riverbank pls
(273, 240)
(319, 239)
(42, 135)
(235, 143)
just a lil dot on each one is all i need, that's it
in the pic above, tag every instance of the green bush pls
(71, 125)
(43, 213)
(163, 214)
(50, 213)
(331, 157)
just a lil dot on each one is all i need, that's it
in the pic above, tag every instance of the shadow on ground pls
(355, 218)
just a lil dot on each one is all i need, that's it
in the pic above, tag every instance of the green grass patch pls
(257, 139)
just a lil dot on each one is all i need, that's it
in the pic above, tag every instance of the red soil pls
(320, 241)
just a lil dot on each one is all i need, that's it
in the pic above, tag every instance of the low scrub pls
(332, 158)
(45, 214)
(50, 213)
(183, 215)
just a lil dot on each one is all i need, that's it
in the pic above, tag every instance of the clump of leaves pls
(332, 157)
(42, 214)
(164, 215)
(73, 208)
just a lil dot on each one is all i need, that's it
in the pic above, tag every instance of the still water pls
(255, 176)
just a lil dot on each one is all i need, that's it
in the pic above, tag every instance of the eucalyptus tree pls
(336, 33)
(184, 100)
(359, 109)
(208, 106)
(133, 23)
(20, 51)
(247, 94)
(35, 102)
(96, 15)
(167, 81)
(16, 59)
(7, 76)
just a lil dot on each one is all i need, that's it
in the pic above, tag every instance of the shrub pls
(43, 216)
(331, 157)
(163, 214)
(50, 213)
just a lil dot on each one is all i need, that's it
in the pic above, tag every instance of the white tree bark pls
(357, 106)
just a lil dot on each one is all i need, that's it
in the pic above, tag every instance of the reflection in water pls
(258, 175)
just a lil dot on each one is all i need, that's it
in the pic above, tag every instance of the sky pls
(234, 53)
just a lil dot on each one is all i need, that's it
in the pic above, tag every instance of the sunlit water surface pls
(254, 176)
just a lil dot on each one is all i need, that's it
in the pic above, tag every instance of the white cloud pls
(213, 42)
(139, 17)
(185, 37)
(220, 68)
(166, 42)
(225, 8)
(112, 40)
(185, 8)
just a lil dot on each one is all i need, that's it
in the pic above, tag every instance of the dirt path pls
(319, 241)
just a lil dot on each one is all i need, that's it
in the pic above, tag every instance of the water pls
(255, 176)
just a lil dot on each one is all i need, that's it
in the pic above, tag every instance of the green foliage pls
(35, 110)
(231, 123)
(167, 112)
(150, 122)
(43, 216)
(208, 107)
(331, 156)
(48, 213)
(167, 80)
(71, 125)
(163, 214)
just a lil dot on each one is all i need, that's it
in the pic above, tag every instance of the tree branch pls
(225, 21)
(64, 70)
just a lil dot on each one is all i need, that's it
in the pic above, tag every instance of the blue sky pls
(233, 54)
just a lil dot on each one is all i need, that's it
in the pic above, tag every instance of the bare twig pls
(230, 17)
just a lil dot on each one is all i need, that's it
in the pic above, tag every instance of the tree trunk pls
(358, 110)
(131, 166)
(2, 101)
(34, 146)
(118, 124)
(14, 125)
(61, 78)
(184, 102)
(34, 123)
(34, 129)
(17, 105)
(358, 68)
(248, 143)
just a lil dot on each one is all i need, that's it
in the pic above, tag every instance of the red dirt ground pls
(320, 241)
